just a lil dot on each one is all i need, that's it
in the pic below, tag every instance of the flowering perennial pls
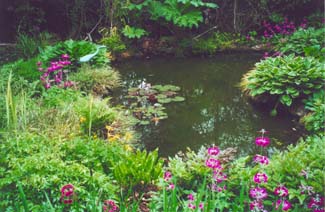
(67, 194)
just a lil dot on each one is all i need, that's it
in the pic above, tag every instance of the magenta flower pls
(256, 205)
(213, 151)
(261, 159)
(281, 191)
(285, 204)
(65, 56)
(317, 203)
(219, 176)
(262, 141)
(191, 206)
(201, 205)
(260, 178)
(212, 163)
(67, 194)
(110, 206)
(39, 63)
(171, 186)
(167, 176)
(258, 193)
(190, 197)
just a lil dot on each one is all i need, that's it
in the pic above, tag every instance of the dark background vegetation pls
(75, 18)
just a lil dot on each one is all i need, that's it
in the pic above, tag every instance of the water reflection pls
(215, 111)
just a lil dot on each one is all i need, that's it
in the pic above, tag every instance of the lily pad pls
(178, 99)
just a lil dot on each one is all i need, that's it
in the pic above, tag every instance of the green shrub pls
(27, 46)
(75, 49)
(300, 40)
(288, 78)
(315, 120)
(112, 40)
(138, 169)
(43, 165)
(97, 80)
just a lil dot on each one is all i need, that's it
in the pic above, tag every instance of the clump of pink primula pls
(282, 203)
(67, 194)
(110, 206)
(56, 73)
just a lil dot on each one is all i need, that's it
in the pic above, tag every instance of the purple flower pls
(212, 163)
(316, 203)
(201, 205)
(260, 178)
(110, 206)
(67, 194)
(262, 141)
(190, 197)
(167, 176)
(219, 176)
(256, 206)
(261, 159)
(281, 191)
(258, 193)
(285, 204)
(39, 63)
(65, 56)
(171, 186)
(191, 206)
(213, 151)
(47, 85)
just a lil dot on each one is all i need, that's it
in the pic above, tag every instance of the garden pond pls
(215, 111)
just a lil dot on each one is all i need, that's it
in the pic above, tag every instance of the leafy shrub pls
(42, 166)
(315, 120)
(132, 32)
(112, 41)
(138, 169)
(300, 39)
(286, 77)
(218, 41)
(98, 80)
(75, 49)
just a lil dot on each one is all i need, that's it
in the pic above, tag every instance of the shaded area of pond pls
(214, 112)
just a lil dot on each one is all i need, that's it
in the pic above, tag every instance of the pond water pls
(214, 112)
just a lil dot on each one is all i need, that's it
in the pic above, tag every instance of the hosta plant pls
(287, 78)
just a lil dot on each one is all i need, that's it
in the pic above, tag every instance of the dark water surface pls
(215, 111)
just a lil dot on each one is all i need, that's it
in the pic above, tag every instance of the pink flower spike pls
(281, 191)
(260, 178)
(213, 150)
(262, 141)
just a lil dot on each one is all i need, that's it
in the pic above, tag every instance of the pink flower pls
(281, 191)
(316, 203)
(47, 85)
(67, 193)
(171, 186)
(260, 178)
(219, 176)
(258, 193)
(191, 206)
(285, 204)
(212, 163)
(167, 176)
(190, 197)
(65, 56)
(262, 141)
(256, 205)
(39, 63)
(213, 151)
(201, 205)
(110, 206)
(261, 159)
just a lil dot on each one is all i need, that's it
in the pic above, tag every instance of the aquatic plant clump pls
(146, 101)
